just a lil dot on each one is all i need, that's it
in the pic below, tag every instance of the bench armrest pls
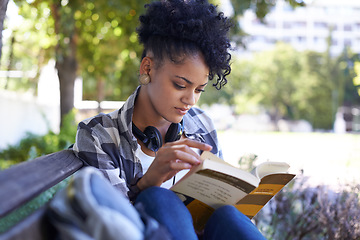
(22, 182)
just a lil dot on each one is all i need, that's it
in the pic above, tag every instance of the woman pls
(157, 135)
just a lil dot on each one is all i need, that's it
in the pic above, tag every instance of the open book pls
(215, 183)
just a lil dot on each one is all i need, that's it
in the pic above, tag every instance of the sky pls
(12, 19)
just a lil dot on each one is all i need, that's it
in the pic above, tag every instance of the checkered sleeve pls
(206, 129)
(97, 145)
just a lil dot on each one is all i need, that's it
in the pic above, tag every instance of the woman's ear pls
(145, 65)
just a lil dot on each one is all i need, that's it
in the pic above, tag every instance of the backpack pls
(91, 208)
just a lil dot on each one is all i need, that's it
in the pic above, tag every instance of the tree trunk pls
(11, 59)
(100, 92)
(3, 8)
(67, 74)
(66, 62)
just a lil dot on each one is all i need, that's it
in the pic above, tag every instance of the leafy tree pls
(356, 79)
(290, 84)
(3, 7)
(91, 40)
(275, 81)
(315, 104)
(350, 66)
(97, 40)
(30, 46)
(110, 51)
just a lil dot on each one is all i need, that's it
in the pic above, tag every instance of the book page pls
(267, 168)
(212, 162)
(209, 155)
(213, 188)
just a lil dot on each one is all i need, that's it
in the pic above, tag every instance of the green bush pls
(301, 211)
(33, 145)
(305, 212)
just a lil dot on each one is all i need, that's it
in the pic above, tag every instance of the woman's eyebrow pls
(189, 82)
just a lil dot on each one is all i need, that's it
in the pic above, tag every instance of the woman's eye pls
(179, 86)
(200, 90)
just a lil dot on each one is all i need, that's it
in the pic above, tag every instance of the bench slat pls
(36, 226)
(22, 182)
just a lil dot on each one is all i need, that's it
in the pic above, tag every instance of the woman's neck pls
(144, 114)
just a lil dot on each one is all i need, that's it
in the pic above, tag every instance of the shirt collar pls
(125, 117)
(192, 126)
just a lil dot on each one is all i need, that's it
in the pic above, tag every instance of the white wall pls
(23, 112)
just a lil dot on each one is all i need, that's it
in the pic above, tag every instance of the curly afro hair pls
(176, 28)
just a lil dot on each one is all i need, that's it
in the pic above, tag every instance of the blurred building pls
(306, 28)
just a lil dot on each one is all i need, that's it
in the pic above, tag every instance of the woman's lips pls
(182, 111)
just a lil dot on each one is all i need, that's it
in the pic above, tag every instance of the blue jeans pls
(225, 223)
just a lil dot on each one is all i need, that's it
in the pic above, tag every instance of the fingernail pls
(188, 165)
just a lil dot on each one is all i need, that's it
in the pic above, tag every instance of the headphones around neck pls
(151, 136)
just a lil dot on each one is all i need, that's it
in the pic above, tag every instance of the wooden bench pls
(23, 182)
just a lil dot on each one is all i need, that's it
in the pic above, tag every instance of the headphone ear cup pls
(174, 132)
(155, 141)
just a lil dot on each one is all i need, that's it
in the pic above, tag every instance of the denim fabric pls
(228, 223)
(167, 208)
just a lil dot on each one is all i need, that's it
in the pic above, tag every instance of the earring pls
(144, 79)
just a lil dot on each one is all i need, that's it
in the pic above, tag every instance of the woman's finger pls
(193, 144)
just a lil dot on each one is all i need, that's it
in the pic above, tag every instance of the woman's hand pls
(170, 159)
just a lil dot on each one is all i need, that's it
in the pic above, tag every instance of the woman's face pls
(175, 88)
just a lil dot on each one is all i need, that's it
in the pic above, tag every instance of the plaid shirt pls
(106, 142)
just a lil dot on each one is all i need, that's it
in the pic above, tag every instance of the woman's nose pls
(190, 98)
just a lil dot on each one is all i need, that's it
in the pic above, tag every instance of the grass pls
(326, 158)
